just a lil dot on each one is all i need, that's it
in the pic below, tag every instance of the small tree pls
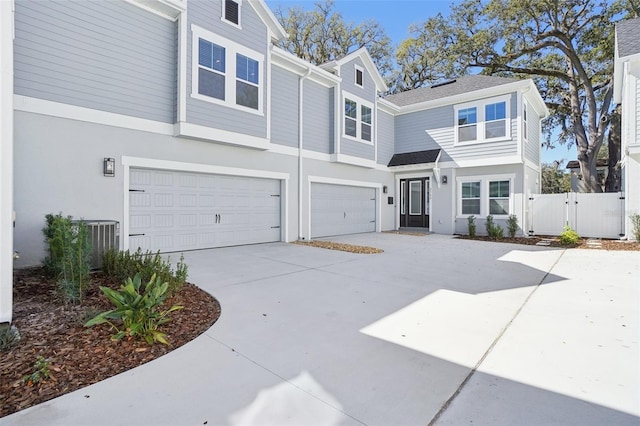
(512, 225)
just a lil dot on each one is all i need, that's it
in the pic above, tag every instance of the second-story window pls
(483, 121)
(495, 116)
(232, 11)
(467, 128)
(358, 119)
(211, 69)
(226, 73)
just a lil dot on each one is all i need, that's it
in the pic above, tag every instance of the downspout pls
(300, 147)
(436, 169)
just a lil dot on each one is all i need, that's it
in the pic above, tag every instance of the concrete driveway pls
(434, 329)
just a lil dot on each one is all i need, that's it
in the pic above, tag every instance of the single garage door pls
(340, 209)
(174, 211)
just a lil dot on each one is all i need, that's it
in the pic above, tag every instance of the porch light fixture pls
(109, 167)
(384, 189)
(444, 179)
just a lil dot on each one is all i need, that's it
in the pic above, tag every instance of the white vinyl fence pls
(590, 215)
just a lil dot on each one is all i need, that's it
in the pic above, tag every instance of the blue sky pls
(396, 16)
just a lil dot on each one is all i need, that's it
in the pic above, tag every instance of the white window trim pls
(480, 124)
(231, 49)
(359, 102)
(224, 13)
(355, 76)
(484, 194)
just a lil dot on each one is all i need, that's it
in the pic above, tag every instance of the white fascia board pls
(168, 9)
(276, 31)
(72, 112)
(388, 107)
(467, 97)
(412, 167)
(194, 131)
(532, 95)
(298, 66)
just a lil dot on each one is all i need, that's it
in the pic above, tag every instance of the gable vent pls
(231, 11)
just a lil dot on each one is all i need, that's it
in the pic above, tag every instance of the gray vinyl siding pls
(318, 117)
(532, 144)
(385, 126)
(357, 149)
(348, 74)
(284, 107)
(253, 35)
(107, 55)
(434, 128)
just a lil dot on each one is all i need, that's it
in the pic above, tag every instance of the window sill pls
(226, 104)
(483, 141)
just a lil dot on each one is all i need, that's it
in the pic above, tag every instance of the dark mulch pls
(82, 356)
(340, 246)
(555, 242)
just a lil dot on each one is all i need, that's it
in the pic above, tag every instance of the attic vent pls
(231, 11)
(444, 83)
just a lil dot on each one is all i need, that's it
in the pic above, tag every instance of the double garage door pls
(175, 211)
(341, 209)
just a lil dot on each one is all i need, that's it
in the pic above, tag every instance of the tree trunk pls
(613, 182)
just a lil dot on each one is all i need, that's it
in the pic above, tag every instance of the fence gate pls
(590, 215)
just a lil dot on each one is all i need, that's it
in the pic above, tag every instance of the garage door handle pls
(345, 215)
(275, 227)
(136, 190)
(136, 235)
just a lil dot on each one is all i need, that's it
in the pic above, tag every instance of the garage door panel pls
(340, 209)
(183, 211)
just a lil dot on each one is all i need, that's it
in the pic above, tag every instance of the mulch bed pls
(340, 247)
(82, 356)
(555, 242)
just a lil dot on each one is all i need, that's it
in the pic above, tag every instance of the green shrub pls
(138, 308)
(635, 222)
(121, 265)
(569, 237)
(493, 231)
(9, 337)
(40, 373)
(69, 257)
(472, 226)
(512, 225)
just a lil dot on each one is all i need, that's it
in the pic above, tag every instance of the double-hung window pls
(211, 69)
(470, 198)
(482, 121)
(358, 119)
(467, 124)
(499, 197)
(495, 116)
(213, 80)
(247, 81)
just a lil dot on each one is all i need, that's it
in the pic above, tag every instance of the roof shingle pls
(627, 37)
(417, 157)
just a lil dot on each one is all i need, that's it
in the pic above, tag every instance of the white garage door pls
(339, 210)
(172, 211)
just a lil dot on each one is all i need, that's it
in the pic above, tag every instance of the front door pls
(414, 203)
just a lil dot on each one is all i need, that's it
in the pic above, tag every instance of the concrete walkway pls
(433, 329)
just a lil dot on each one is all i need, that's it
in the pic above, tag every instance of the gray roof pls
(418, 157)
(464, 84)
(627, 37)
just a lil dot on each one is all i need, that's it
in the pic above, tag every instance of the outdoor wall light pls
(384, 189)
(444, 179)
(109, 168)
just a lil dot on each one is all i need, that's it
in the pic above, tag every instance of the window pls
(495, 120)
(524, 121)
(485, 195)
(470, 198)
(359, 76)
(232, 11)
(415, 197)
(247, 80)
(482, 121)
(366, 123)
(350, 117)
(467, 119)
(358, 119)
(214, 61)
(402, 189)
(499, 197)
(211, 69)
